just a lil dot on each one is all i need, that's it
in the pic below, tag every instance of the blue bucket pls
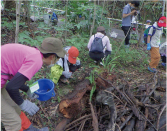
(46, 89)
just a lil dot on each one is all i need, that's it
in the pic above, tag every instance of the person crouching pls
(64, 68)
(95, 41)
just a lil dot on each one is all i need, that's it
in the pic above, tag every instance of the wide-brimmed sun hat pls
(52, 45)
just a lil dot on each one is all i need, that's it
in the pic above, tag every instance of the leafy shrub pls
(135, 58)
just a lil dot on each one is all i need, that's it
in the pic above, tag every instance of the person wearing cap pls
(53, 17)
(127, 18)
(153, 43)
(64, 68)
(148, 22)
(106, 43)
(19, 63)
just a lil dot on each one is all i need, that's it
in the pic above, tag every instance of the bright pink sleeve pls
(31, 65)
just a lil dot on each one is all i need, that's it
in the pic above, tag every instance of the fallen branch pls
(79, 119)
(114, 95)
(155, 81)
(130, 125)
(160, 116)
(82, 124)
(95, 121)
(129, 117)
(61, 125)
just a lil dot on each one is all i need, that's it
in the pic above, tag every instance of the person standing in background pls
(153, 43)
(127, 18)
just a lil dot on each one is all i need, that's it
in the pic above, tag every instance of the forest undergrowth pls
(129, 71)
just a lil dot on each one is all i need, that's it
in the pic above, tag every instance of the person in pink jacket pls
(19, 63)
(98, 56)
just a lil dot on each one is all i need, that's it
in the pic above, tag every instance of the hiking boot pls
(31, 128)
(152, 69)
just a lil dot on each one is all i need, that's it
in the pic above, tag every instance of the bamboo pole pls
(93, 19)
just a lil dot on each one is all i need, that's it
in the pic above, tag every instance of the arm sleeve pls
(90, 42)
(31, 65)
(56, 72)
(14, 85)
(125, 10)
(24, 88)
(150, 31)
(108, 46)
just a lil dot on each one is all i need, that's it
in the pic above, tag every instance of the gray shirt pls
(127, 20)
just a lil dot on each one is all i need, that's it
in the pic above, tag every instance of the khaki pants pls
(155, 57)
(10, 112)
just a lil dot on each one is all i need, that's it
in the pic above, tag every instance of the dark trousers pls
(126, 32)
(163, 58)
(73, 68)
(98, 56)
(145, 39)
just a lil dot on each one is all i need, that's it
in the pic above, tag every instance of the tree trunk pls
(18, 6)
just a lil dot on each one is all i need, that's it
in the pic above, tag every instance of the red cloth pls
(25, 122)
(162, 22)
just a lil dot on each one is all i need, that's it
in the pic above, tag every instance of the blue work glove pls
(67, 74)
(29, 107)
(32, 96)
(148, 46)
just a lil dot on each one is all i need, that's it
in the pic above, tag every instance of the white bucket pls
(46, 19)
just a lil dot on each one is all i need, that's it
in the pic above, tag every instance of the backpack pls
(97, 45)
(146, 33)
(54, 16)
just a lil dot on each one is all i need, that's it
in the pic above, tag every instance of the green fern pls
(91, 78)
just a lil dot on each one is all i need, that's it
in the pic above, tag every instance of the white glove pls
(29, 107)
(67, 74)
(78, 62)
(31, 95)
